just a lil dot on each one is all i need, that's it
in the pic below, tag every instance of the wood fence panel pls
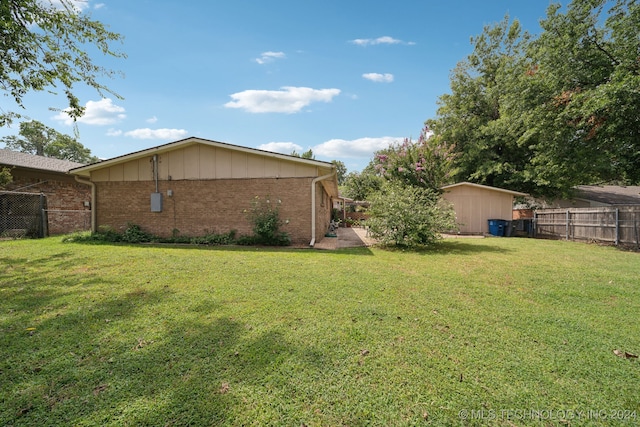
(613, 224)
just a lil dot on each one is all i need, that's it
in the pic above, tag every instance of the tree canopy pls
(543, 114)
(36, 138)
(403, 183)
(44, 45)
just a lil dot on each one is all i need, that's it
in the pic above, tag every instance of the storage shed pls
(476, 204)
(195, 186)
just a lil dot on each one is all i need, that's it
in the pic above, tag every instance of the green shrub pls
(265, 217)
(216, 239)
(134, 234)
(409, 216)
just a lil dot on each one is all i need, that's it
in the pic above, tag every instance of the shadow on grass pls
(446, 247)
(74, 354)
(231, 248)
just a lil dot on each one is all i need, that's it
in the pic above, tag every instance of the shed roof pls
(86, 169)
(31, 161)
(484, 187)
(609, 194)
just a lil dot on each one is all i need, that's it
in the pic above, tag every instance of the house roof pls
(31, 161)
(86, 169)
(484, 187)
(609, 194)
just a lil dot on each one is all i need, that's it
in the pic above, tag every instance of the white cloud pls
(152, 119)
(114, 132)
(356, 148)
(380, 78)
(379, 40)
(99, 6)
(98, 113)
(281, 147)
(269, 57)
(147, 133)
(78, 5)
(288, 100)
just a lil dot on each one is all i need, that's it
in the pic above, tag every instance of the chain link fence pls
(23, 215)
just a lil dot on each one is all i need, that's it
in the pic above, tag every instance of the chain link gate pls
(23, 215)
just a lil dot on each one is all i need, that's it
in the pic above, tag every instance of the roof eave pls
(86, 170)
(485, 187)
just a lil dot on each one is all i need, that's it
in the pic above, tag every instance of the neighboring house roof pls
(484, 187)
(86, 170)
(31, 161)
(609, 194)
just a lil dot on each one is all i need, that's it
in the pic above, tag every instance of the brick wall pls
(65, 198)
(197, 207)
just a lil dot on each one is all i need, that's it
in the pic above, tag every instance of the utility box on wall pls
(156, 202)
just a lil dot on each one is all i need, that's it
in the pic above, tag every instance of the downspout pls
(93, 200)
(313, 205)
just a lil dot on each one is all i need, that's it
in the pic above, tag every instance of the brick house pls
(67, 201)
(196, 186)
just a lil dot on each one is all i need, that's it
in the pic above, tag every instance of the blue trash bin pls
(496, 227)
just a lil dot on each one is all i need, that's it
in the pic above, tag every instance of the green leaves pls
(44, 46)
(44, 141)
(405, 215)
(544, 114)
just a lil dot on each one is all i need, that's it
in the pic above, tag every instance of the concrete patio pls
(347, 237)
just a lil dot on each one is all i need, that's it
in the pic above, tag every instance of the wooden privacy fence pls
(614, 224)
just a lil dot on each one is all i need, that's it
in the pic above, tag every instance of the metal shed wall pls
(475, 206)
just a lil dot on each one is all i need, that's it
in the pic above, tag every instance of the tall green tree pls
(469, 118)
(361, 185)
(341, 171)
(36, 138)
(44, 45)
(583, 103)
(544, 114)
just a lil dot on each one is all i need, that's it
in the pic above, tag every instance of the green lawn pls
(474, 332)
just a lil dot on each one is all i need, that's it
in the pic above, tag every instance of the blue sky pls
(341, 77)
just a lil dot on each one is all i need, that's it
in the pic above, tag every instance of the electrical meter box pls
(156, 202)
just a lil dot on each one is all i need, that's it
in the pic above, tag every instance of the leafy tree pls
(5, 177)
(426, 162)
(582, 113)
(45, 141)
(44, 46)
(407, 215)
(544, 114)
(306, 155)
(403, 183)
(341, 171)
(360, 185)
(469, 118)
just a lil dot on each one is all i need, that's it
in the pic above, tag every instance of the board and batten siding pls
(475, 206)
(201, 162)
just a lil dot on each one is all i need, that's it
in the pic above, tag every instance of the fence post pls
(44, 220)
(617, 226)
(567, 226)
